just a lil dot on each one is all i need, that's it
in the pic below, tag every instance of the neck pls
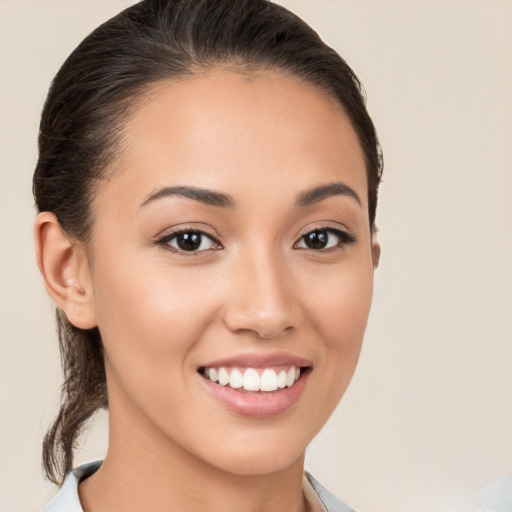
(156, 474)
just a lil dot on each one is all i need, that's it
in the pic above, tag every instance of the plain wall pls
(427, 420)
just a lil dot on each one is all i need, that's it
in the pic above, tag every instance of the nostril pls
(264, 326)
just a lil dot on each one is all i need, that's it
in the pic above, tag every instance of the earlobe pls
(65, 271)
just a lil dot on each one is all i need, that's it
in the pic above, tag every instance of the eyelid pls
(164, 239)
(196, 227)
(346, 237)
(325, 225)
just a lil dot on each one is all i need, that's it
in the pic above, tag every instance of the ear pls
(65, 270)
(375, 253)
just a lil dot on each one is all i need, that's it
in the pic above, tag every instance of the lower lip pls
(258, 404)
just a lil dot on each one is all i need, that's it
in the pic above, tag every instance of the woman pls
(207, 186)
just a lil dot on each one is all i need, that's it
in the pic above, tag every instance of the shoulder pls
(331, 503)
(67, 499)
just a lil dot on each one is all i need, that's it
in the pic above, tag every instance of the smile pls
(263, 386)
(252, 379)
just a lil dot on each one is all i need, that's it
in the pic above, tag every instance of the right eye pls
(189, 241)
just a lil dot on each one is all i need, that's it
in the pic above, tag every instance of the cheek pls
(138, 288)
(140, 309)
(150, 320)
(342, 304)
(339, 314)
(152, 315)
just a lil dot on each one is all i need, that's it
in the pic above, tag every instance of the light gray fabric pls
(331, 503)
(496, 496)
(67, 499)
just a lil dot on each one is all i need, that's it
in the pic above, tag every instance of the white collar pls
(67, 499)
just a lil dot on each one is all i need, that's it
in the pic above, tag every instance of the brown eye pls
(189, 241)
(319, 239)
(316, 240)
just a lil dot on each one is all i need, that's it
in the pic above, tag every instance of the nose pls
(262, 301)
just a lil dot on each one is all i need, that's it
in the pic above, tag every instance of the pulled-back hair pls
(100, 85)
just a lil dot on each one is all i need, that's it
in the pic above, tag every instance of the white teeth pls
(251, 380)
(223, 376)
(268, 380)
(236, 379)
(290, 377)
(281, 379)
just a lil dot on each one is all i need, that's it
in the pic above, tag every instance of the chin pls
(257, 455)
(260, 465)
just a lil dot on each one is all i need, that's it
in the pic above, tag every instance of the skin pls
(263, 140)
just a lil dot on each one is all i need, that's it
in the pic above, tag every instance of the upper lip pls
(259, 361)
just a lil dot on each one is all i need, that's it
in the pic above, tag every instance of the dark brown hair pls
(95, 91)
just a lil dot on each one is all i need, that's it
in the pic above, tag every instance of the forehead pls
(225, 130)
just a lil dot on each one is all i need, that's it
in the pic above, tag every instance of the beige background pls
(428, 418)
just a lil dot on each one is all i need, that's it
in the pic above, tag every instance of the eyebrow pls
(212, 198)
(202, 195)
(324, 191)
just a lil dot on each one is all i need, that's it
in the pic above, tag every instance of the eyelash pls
(165, 241)
(344, 237)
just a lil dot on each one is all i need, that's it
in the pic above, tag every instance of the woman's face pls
(232, 243)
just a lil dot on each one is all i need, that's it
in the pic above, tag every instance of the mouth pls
(262, 380)
(257, 387)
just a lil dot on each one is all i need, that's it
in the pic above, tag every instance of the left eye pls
(189, 241)
(323, 239)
